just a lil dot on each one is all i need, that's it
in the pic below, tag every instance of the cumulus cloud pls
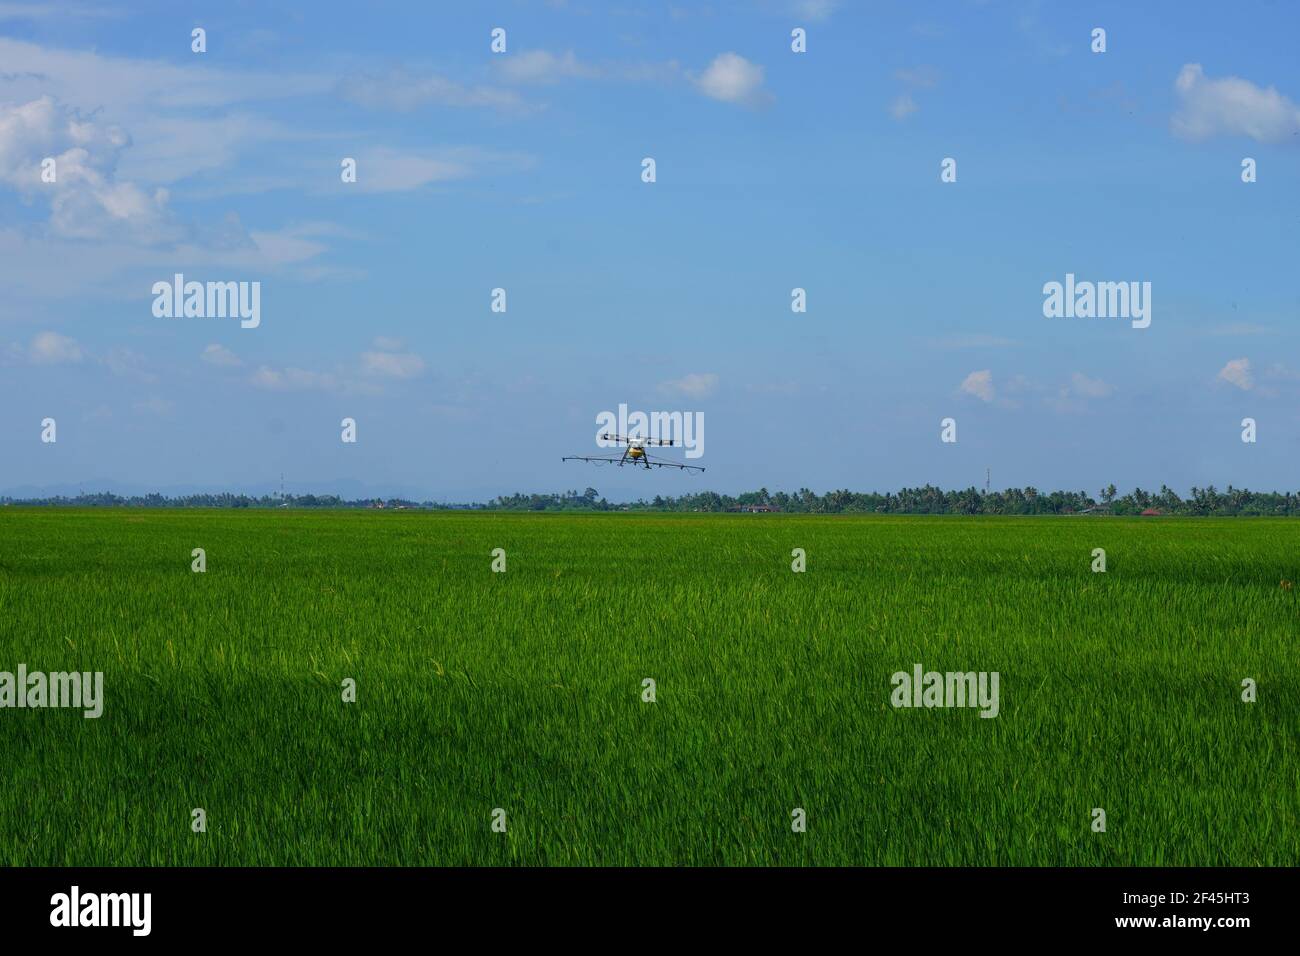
(902, 106)
(124, 362)
(730, 78)
(184, 118)
(1231, 106)
(221, 356)
(979, 384)
(51, 348)
(392, 364)
(1237, 372)
(385, 361)
(694, 385)
(1086, 387)
(1075, 395)
(86, 199)
(119, 129)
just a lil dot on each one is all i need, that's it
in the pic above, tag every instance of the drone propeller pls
(658, 442)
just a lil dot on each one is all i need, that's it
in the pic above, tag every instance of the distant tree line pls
(224, 500)
(926, 500)
(936, 501)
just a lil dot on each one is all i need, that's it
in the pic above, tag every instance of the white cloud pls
(292, 379)
(291, 245)
(392, 364)
(542, 66)
(694, 385)
(731, 78)
(979, 384)
(390, 170)
(1237, 372)
(54, 11)
(1231, 106)
(917, 78)
(135, 89)
(1086, 387)
(381, 363)
(50, 348)
(119, 129)
(1020, 384)
(86, 199)
(403, 92)
(1280, 372)
(814, 9)
(221, 356)
(1073, 397)
(177, 114)
(46, 268)
(123, 362)
(922, 77)
(166, 149)
(902, 106)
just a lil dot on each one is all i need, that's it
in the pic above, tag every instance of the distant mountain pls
(349, 489)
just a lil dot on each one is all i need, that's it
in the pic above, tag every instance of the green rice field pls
(522, 691)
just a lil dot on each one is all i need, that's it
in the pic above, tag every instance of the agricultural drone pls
(634, 453)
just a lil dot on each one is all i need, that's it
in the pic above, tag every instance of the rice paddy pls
(517, 701)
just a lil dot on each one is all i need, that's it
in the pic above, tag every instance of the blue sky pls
(522, 170)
